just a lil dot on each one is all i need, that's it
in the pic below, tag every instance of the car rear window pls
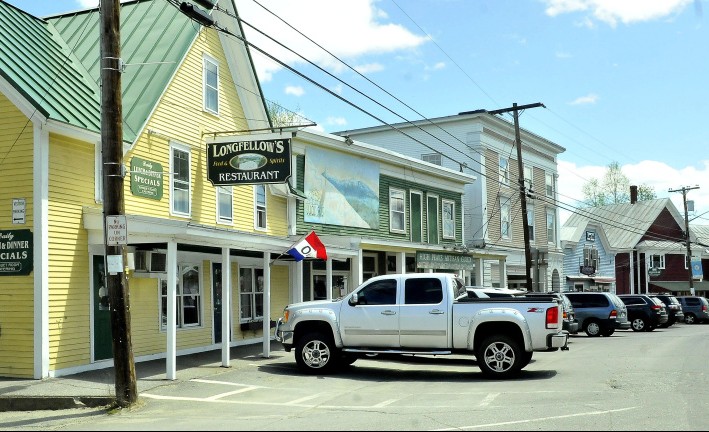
(588, 300)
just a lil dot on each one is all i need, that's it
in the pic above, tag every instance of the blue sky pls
(622, 80)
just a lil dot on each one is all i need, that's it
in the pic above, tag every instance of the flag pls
(309, 247)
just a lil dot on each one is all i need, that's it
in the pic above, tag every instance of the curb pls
(37, 403)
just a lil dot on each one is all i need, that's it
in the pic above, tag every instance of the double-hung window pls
(657, 261)
(434, 158)
(260, 221)
(250, 294)
(551, 226)
(504, 171)
(528, 177)
(189, 298)
(211, 85)
(505, 219)
(448, 219)
(590, 257)
(530, 221)
(180, 180)
(397, 211)
(225, 204)
(550, 186)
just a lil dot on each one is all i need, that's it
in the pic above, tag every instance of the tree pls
(614, 188)
(282, 117)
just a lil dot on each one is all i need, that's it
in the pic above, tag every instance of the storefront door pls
(103, 341)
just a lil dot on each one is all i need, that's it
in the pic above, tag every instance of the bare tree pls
(283, 117)
(614, 188)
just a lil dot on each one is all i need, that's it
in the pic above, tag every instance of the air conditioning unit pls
(150, 261)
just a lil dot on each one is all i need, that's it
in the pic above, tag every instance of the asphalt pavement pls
(97, 388)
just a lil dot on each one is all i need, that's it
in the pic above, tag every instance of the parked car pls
(644, 312)
(673, 306)
(571, 324)
(695, 308)
(599, 313)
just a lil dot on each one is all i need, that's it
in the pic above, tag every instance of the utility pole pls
(113, 201)
(522, 189)
(684, 191)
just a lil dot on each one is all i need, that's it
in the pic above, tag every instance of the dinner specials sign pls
(16, 252)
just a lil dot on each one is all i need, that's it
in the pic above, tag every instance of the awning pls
(596, 279)
(682, 286)
(287, 190)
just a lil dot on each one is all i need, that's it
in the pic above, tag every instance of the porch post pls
(503, 273)
(631, 273)
(226, 310)
(328, 277)
(171, 354)
(478, 272)
(401, 263)
(266, 305)
(298, 294)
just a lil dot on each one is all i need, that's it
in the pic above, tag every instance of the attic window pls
(211, 85)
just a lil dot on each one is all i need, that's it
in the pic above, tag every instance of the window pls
(250, 294)
(211, 86)
(180, 180)
(657, 261)
(378, 293)
(397, 215)
(189, 298)
(505, 219)
(260, 206)
(448, 219)
(225, 201)
(504, 171)
(370, 267)
(551, 226)
(550, 186)
(434, 158)
(590, 257)
(528, 177)
(423, 291)
(530, 221)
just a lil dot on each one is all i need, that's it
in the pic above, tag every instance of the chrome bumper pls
(560, 340)
(283, 336)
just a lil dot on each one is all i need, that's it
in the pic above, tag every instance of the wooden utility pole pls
(684, 191)
(522, 189)
(113, 201)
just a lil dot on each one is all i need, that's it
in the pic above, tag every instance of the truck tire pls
(316, 353)
(500, 357)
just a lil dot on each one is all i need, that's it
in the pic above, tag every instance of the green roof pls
(63, 51)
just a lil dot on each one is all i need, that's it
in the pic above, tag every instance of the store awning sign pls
(249, 162)
(436, 260)
(16, 252)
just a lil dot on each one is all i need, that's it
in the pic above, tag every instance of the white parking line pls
(385, 403)
(489, 425)
(488, 399)
(229, 383)
(301, 400)
(219, 396)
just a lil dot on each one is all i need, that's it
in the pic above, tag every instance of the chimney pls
(633, 194)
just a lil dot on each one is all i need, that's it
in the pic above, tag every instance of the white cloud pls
(294, 90)
(349, 29)
(613, 11)
(336, 121)
(658, 175)
(369, 68)
(585, 100)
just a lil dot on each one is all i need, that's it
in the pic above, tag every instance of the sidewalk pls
(97, 388)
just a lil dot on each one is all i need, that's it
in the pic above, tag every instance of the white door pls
(374, 320)
(425, 314)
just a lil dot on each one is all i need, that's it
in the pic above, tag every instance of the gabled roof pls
(700, 234)
(62, 52)
(624, 224)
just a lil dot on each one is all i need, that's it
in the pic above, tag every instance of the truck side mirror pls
(354, 300)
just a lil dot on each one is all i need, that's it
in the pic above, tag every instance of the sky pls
(623, 81)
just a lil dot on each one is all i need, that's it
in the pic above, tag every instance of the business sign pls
(116, 230)
(19, 209)
(16, 252)
(654, 271)
(697, 271)
(587, 270)
(146, 178)
(443, 261)
(249, 162)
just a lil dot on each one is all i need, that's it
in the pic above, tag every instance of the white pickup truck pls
(421, 314)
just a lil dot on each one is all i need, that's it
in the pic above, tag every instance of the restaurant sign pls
(16, 252)
(146, 178)
(443, 261)
(249, 162)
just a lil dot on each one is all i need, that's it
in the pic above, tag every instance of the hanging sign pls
(146, 178)
(249, 162)
(16, 252)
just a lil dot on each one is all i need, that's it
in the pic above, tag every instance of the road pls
(630, 381)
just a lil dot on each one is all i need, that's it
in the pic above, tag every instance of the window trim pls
(180, 318)
(402, 213)
(436, 156)
(421, 214)
(504, 172)
(228, 190)
(205, 86)
(552, 213)
(184, 149)
(505, 204)
(443, 219)
(662, 260)
(437, 214)
(530, 222)
(529, 182)
(252, 294)
(257, 210)
(548, 185)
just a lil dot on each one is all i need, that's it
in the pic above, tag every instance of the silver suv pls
(695, 308)
(599, 313)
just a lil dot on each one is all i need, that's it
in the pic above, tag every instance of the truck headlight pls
(286, 314)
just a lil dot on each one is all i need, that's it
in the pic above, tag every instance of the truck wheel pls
(500, 357)
(638, 324)
(526, 358)
(592, 328)
(316, 353)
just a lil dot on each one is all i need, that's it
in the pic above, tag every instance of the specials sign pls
(146, 178)
(16, 252)
(249, 162)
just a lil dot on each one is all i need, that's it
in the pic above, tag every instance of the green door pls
(416, 218)
(103, 342)
(432, 219)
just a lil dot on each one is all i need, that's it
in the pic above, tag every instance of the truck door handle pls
(436, 312)
(388, 312)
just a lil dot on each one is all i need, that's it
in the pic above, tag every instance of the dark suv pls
(695, 308)
(599, 313)
(644, 312)
(673, 306)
